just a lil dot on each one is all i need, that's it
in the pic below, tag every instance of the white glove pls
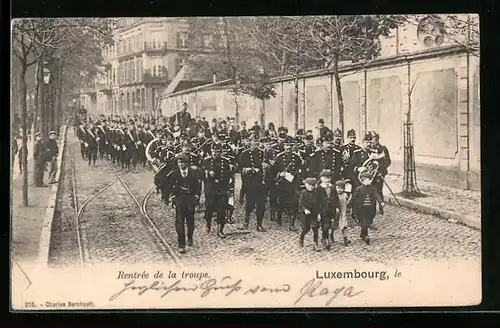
(361, 169)
(211, 173)
(307, 211)
(282, 174)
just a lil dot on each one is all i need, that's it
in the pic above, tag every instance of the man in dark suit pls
(323, 130)
(186, 190)
(39, 156)
(183, 118)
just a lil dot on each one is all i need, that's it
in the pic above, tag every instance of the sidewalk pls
(16, 173)
(452, 204)
(28, 223)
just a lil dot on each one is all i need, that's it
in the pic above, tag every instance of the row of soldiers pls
(273, 166)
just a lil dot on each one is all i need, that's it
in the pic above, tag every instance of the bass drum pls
(150, 154)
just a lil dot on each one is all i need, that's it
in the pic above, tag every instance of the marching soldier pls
(82, 135)
(218, 176)
(358, 159)
(254, 173)
(384, 159)
(91, 140)
(286, 169)
(347, 153)
(132, 143)
(185, 195)
(329, 158)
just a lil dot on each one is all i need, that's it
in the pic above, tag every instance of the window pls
(130, 45)
(207, 40)
(179, 62)
(138, 69)
(139, 41)
(153, 43)
(181, 40)
(157, 67)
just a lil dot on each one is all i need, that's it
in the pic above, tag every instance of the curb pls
(44, 244)
(435, 211)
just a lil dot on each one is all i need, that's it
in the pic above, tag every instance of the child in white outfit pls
(340, 220)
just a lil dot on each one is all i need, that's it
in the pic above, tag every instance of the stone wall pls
(441, 87)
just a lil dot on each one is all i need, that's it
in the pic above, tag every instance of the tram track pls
(84, 255)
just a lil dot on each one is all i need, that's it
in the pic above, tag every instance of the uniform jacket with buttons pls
(330, 159)
(223, 174)
(252, 159)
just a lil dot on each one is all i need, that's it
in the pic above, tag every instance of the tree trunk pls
(24, 116)
(41, 97)
(296, 103)
(58, 99)
(338, 87)
(236, 109)
(263, 113)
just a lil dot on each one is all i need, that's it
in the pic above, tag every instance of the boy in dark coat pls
(364, 202)
(309, 212)
(329, 206)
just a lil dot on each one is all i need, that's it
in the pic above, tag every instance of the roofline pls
(391, 60)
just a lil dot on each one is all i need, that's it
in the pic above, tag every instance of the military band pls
(190, 157)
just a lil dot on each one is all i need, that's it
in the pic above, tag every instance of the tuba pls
(155, 162)
(372, 166)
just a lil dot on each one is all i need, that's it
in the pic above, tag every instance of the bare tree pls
(66, 40)
(333, 39)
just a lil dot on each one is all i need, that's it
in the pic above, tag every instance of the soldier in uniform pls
(384, 159)
(286, 169)
(82, 135)
(132, 142)
(347, 153)
(91, 140)
(358, 159)
(217, 179)
(253, 172)
(329, 157)
(185, 195)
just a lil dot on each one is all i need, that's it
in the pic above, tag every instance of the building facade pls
(145, 58)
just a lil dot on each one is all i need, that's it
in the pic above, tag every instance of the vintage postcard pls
(245, 162)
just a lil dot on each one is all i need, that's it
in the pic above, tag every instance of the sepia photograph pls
(245, 162)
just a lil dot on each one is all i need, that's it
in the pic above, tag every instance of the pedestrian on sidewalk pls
(15, 149)
(39, 156)
(364, 204)
(384, 159)
(53, 152)
(23, 151)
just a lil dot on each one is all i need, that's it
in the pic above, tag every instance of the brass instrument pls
(372, 166)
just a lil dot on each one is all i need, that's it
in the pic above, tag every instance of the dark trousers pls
(255, 199)
(83, 151)
(365, 216)
(216, 203)
(242, 192)
(38, 178)
(309, 222)
(184, 216)
(91, 154)
(378, 183)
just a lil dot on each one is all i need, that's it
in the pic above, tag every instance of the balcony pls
(155, 47)
(149, 78)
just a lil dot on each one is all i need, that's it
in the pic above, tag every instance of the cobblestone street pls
(114, 230)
